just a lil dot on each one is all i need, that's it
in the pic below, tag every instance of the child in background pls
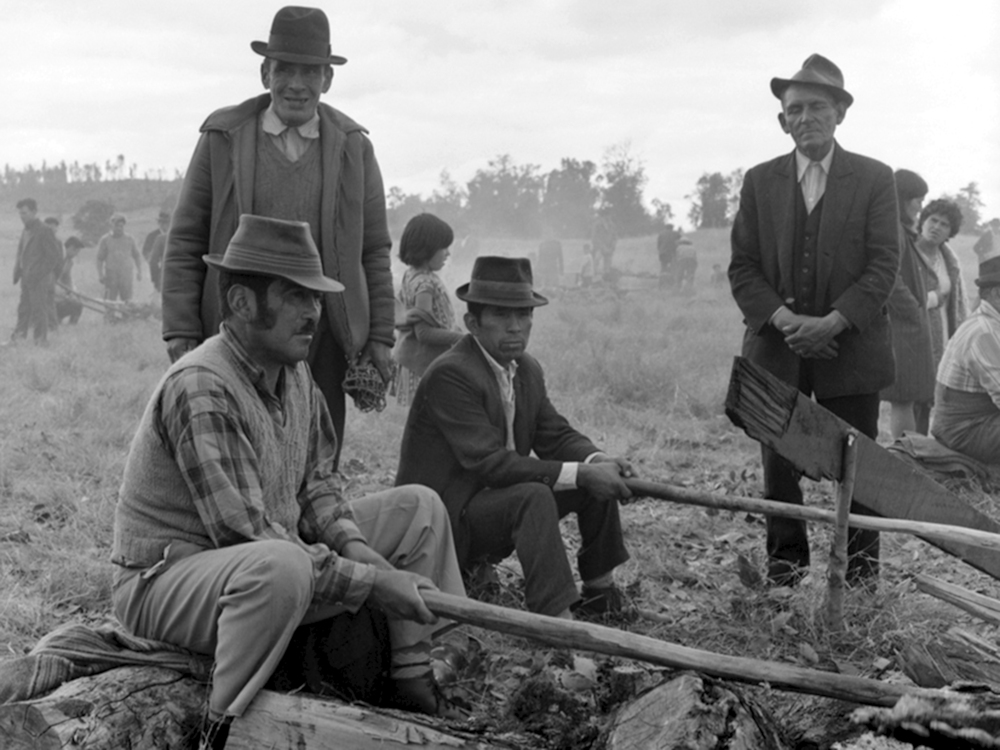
(425, 318)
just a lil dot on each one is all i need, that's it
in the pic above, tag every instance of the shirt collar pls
(986, 309)
(273, 125)
(499, 370)
(802, 162)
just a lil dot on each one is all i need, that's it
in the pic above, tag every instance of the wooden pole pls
(975, 604)
(932, 532)
(837, 573)
(604, 640)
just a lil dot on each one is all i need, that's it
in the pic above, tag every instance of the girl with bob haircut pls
(425, 318)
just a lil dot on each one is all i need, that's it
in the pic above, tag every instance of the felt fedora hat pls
(504, 282)
(299, 35)
(989, 272)
(816, 71)
(275, 247)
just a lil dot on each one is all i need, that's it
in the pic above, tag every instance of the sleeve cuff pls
(341, 532)
(567, 477)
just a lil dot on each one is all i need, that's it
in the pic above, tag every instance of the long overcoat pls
(354, 238)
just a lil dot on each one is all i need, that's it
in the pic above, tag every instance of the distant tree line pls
(716, 199)
(507, 199)
(62, 188)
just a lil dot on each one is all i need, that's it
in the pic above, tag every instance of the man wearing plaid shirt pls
(231, 528)
(967, 397)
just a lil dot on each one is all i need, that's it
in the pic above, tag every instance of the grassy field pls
(644, 373)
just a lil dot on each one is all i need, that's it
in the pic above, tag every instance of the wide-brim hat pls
(500, 281)
(816, 71)
(274, 247)
(299, 35)
(989, 272)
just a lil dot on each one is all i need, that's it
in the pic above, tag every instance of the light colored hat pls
(274, 247)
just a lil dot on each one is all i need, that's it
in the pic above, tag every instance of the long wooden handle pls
(600, 639)
(936, 532)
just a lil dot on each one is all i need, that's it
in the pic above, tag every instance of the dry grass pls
(643, 373)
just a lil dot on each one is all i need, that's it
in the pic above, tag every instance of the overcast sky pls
(450, 84)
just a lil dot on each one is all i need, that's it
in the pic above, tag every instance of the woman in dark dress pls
(908, 316)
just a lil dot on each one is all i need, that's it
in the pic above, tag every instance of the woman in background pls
(425, 318)
(940, 220)
(909, 318)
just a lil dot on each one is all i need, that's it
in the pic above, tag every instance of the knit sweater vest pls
(806, 260)
(285, 189)
(155, 507)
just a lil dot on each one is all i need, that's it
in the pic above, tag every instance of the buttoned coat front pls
(856, 266)
(455, 440)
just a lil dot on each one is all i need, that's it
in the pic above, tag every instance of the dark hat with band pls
(989, 273)
(274, 247)
(816, 71)
(500, 281)
(299, 35)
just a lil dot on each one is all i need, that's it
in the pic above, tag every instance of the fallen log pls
(694, 712)
(600, 639)
(935, 533)
(810, 438)
(975, 604)
(135, 707)
(149, 707)
(967, 719)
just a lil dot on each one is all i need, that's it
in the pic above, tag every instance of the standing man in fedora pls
(231, 528)
(480, 411)
(815, 251)
(284, 154)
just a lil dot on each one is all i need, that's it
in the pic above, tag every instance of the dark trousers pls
(328, 364)
(525, 518)
(787, 543)
(33, 308)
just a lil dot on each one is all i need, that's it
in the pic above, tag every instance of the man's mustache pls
(309, 329)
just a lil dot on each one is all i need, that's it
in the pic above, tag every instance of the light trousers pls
(241, 604)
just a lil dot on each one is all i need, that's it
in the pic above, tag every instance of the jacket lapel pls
(785, 184)
(841, 189)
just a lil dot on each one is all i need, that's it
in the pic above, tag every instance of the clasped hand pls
(811, 337)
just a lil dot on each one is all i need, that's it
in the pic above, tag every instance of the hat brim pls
(991, 279)
(261, 49)
(778, 86)
(536, 300)
(315, 283)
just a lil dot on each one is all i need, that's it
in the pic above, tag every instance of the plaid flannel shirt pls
(222, 473)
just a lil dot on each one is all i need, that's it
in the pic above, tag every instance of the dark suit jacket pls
(858, 257)
(455, 439)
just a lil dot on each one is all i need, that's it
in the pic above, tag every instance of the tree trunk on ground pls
(149, 708)
(695, 713)
(960, 720)
(131, 707)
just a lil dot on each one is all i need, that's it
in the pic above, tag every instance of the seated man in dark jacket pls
(479, 414)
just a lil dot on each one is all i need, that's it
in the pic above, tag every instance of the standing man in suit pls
(815, 251)
(479, 412)
(285, 155)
